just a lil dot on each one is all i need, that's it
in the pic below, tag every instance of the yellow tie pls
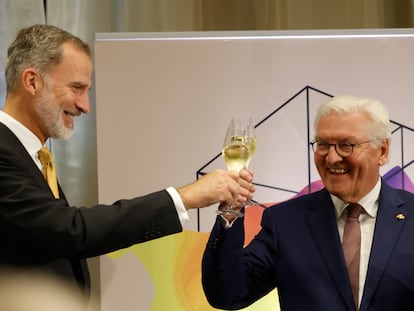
(48, 170)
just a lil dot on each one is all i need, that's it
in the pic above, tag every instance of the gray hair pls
(40, 47)
(379, 127)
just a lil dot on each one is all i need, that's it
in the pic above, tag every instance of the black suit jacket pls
(38, 231)
(299, 251)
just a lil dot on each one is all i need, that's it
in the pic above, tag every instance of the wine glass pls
(238, 148)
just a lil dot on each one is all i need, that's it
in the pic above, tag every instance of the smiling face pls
(64, 93)
(349, 178)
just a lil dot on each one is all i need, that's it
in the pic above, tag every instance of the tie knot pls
(354, 210)
(44, 155)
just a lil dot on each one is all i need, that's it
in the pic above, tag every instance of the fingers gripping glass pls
(344, 150)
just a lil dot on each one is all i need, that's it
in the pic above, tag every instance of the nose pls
(82, 104)
(332, 155)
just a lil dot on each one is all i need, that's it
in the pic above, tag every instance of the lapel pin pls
(400, 216)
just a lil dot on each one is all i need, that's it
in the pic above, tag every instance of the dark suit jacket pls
(37, 231)
(299, 251)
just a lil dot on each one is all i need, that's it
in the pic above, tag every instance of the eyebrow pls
(81, 85)
(338, 140)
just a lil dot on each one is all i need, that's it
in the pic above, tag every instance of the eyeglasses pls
(344, 150)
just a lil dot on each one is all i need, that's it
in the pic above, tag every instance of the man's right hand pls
(219, 186)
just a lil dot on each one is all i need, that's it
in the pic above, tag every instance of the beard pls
(51, 113)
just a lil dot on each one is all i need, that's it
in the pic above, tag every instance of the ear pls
(31, 80)
(384, 149)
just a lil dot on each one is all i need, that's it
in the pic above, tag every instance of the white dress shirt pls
(367, 221)
(32, 144)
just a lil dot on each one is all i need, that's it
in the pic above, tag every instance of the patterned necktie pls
(48, 170)
(351, 245)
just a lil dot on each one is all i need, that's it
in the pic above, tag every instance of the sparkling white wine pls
(251, 143)
(236, 156)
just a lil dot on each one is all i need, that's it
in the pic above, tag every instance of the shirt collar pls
(29, 140)
(368, 202)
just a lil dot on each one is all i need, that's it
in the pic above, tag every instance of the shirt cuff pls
(179, 205)
(225, 223)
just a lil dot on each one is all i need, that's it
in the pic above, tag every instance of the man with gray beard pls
(48, 76)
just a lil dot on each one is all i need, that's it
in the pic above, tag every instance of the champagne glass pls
(238, 148)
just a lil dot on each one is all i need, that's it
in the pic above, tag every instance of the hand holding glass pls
(238, 148)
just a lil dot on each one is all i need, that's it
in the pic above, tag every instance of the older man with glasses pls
(346, 247)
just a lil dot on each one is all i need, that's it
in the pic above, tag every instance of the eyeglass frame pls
(312, 144)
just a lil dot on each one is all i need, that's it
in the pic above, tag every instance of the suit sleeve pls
(35, 225)
(234, 277)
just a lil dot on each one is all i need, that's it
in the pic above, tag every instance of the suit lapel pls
(18, 152)
(323, 226)
(387, 231)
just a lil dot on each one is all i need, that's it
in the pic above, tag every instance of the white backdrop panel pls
(165, 99)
